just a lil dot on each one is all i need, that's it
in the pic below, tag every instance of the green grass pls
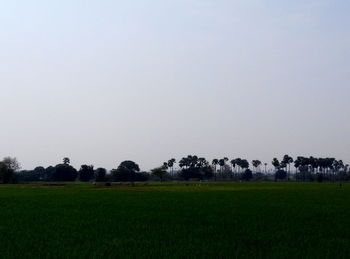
(176, 220)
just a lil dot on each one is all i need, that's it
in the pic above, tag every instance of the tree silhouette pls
(12, 163)
(159, 172)
(233, 164)
(66, 161)
(171, 163)
(126, 171)
(86, 173)
(238, 162)
(244, 164)
(276, 164)
(6, 173)
(256, 164)
(194, 167)
(100, 174)
(64, 173)
(247, 175)
(286, 161)
(215, 162)
(222, 163)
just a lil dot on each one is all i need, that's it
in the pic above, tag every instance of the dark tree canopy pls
(194, 167)
(49, 173)
(12, 163)
(159, 172)
(64, 173)
(86, 173)
(38, 174)
(280, 174)
(126, 171)
(256, 163)
(247, 175)
(100, 174)
(6, 173)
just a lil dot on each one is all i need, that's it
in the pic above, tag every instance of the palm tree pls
(215, 162)
(184, 162)
(222, 163)
(233, 163)
(276, 163)
(171, 163)
(287, 160)
(239, 164)
(256, 164)
(244, 164)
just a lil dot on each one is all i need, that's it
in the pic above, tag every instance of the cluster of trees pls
(306, 169)
(63, 172)
(190, 167)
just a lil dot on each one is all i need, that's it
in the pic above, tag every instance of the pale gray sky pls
(104, 81)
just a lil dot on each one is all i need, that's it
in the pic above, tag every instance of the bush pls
(280, 174)
(319, 177)
(100, 175)
(247, 175)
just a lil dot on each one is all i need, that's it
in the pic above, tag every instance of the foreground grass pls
(176, 220)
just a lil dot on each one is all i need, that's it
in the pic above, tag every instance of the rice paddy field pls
(175, 220)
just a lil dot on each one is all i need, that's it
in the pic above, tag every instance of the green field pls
(185, 220)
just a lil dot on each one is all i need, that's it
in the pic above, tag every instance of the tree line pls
(190, 167)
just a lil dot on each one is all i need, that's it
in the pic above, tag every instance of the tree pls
(194, 167)
(256, 164)
(280, 174)
(31, 176)
(303, 165)
(159, 172)
(244, 164)
(286, 161)
(100, 174)
(185, 162)
(247, 175)
(6, 173)
(233, 164)
(222, 163)
(49, 174)
(64, 173)
(66, 161)
(276, 164)
(215, 162)
(86, 173)
(165, 165)
(12, 163)
(39, 172)
(171, 163)
(126, 171)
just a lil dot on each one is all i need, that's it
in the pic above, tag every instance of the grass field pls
(208, 220)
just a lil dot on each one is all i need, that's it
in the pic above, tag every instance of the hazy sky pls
(103, 81)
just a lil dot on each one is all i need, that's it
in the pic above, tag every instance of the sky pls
(105, 81)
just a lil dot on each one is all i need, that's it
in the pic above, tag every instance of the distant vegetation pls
(190, 167)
